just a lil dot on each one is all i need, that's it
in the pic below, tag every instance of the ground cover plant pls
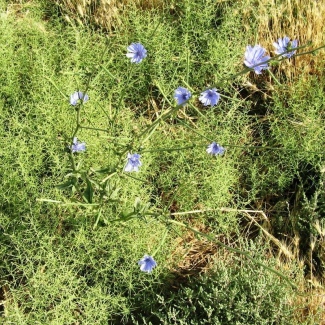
(112, 142)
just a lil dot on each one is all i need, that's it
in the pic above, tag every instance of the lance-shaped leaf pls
(89, 192)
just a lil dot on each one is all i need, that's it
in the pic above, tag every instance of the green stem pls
(197, 110)
(69, 203)
(234, 99)
(136, 178)
(273, 148)
(161, 243)
(78, 123)
(309, 52)
(175, 149)
(98, 217)
(109, 73)
(123, 93)
(56, 87)
(274, 78)
(189, 127)
(27, 130)
(73, 165)
(91, 128)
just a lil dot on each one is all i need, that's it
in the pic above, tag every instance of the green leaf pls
(102, 170)
(89, 192)
(64, 185)
(137, 204)
(113, 196)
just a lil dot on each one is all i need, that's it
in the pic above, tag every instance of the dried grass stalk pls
(104, 13)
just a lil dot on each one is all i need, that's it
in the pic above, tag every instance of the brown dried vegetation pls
(298, 19)
(105, 14)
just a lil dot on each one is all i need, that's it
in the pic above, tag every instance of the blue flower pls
(133, 163)
(77, 146)
(284, 45)
(209, 97)
(215, 149)
(253, 56)
(76, 96)
(147, 263)
(137, 52)
(182, 94)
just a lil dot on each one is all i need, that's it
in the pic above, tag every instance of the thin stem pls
(174, 149)
(109, 73)
(154, 31)
(229, 146)
(69, 203)
(149, 135)
(274, 78)
(123, 93)
(27, 130)
(108, 177)
(56, 87)
(309, 52)
(234, 99)
(73, 165)
(91, 128)
(78, 123)
(138, 179)
(197, 110)
(189, 127)
(187, 65)
(273, 148)
(98, 217)
(161, 243)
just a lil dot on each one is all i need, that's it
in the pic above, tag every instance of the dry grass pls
(309, 302)
(103, 13)
(298, 19)
(197, 255)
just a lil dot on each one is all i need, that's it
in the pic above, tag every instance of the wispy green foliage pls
(227, 294)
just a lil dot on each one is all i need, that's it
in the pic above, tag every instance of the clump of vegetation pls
(79, 119)
(231, 292)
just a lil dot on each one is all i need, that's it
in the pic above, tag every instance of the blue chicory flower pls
(137, 52)
(209, 97)
(182, 94)
(215, 149)
(133, 163)
(77, 146)
(284, 45)
(253, 56)
(76, 96)
(147, 263)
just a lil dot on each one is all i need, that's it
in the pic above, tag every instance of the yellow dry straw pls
(105, 13)
(298, 19)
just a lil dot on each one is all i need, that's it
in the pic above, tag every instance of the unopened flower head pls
(209, 97)
(76, 96)
(133, 163)
(147, 264)
(253, 56)
(182, 94)
(77, 146)
(137, 52)
(284, 45)
(215, 149)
